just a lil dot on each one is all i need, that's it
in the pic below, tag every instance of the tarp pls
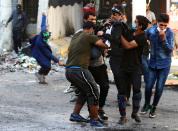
(56, 3)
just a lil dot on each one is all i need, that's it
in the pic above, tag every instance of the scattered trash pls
(172, 79)
(11, 62)
(175, 74)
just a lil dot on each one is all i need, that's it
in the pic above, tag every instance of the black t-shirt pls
(118, 29)
(146, 49)
(131, 61)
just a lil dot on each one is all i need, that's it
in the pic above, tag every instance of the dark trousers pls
(115, 67)
(83, 80)
(44, 71)
(17, 39)
(101, 77)
(134, 78)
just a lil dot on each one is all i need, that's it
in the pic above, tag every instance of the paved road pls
(27, 106)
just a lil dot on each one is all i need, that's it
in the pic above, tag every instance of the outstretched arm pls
(43, 22)
(9, 20)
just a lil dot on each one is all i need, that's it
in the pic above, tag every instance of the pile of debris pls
(172, 79)
(11, 62)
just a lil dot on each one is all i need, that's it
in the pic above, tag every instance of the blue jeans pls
(145, 67)
(159, 76)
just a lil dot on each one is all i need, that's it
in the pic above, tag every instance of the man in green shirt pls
(77, 73)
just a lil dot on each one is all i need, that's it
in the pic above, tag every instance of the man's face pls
(138, 26)
(162, 25)
(116, 17)
(18, 9)
(92, 18)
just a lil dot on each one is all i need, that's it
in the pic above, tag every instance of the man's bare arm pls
(101, 44)
(128, 45)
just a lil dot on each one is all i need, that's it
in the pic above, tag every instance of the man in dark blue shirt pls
(161, 41)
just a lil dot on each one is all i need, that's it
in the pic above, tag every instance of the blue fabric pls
(73, 67)
(77, 118)
(42, 52)
(145, 67)
(19, 20)
(95, 123)
(122, 104)
(160, 56)
(43, 23)
(159, 76)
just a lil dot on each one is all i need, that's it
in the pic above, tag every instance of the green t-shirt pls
(80, 49)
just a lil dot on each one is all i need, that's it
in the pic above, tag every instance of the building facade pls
(65, 16)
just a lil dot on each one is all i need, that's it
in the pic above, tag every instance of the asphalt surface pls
(26, 105)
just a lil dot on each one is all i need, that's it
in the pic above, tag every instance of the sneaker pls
(102, 115)
(38, 76)
(77, 92)
(100, 120)
(43, 80)
(145, 109)
(136, 117)
(70, 89)
(73, 98)
(123, 120)
(77, 118)
(128, 103)
(95, 123)
(152, 112)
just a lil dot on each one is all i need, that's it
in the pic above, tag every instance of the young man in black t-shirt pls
(131, 69)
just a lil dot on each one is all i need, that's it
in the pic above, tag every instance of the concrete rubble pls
(172, 79)
(11, 62)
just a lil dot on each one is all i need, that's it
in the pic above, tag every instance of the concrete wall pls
(138, 8)
(6, 7)
(58, 18)
(64, 20)
(42, 7)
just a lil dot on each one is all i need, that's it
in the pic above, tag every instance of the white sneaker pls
(38, 76)
(70, 89)
(73, 98)
(43, 80)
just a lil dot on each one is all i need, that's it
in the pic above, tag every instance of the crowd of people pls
(145, 51)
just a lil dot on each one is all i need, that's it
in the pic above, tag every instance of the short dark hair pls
(87, 14)
(88, 25)
(142, 21)
(163, 17)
